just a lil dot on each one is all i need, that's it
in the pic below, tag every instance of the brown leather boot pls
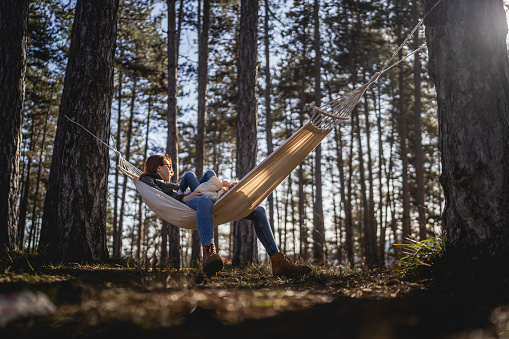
(282, 266)
(212, 262)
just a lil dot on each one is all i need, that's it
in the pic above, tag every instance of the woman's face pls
(164, 171)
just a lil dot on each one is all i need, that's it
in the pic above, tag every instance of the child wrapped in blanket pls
(209, 185)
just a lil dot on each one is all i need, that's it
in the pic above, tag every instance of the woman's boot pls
(282, 266)
(212, 262)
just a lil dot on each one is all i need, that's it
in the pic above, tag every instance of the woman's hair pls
(155, 161)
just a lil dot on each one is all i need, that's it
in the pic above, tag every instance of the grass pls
(421, 257)
(131, 297)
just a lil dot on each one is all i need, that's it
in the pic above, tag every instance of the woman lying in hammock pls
(157, 174)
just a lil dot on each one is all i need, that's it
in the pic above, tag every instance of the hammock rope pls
(256, 185)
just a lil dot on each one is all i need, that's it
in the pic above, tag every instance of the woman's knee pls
(188, 175)
(259, 210)
(210, 173)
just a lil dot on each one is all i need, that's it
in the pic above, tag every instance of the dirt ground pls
(81, 301)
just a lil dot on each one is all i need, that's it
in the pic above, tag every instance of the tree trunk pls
(141, 228)
(419, 157)
(37, 185)
(173, 232)
(349, 241)
(23, 205)
(245, 246)
(468, 62)
(318, 224)
(203, 59)
(13, 39)
(268, 111)
(117, 174)
(118, 239)
(403, 136)
(74, 220)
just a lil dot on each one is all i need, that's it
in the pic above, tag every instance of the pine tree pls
(13, 39)
(74, 221)
(470, 75)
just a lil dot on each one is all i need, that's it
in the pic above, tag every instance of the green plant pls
(421, 254)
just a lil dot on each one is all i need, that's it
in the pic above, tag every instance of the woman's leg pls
(204, 221)
(263, 230)
(189, 180)
(281, 265)
(207, 176)
(212, 262)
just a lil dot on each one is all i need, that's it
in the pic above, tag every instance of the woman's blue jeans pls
(205, 223)
(189, 180)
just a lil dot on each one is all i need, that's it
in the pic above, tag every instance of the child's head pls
(229, 184)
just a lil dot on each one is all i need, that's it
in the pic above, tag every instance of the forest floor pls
(121, 298)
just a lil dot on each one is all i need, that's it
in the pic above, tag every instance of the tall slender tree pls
(203, 24)
(268, 110)
(318, 223)
(172, 231)
(74, 220)
(13, 39)
(419, 156)
(245, 246)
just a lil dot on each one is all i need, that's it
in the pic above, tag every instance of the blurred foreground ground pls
(76, 301)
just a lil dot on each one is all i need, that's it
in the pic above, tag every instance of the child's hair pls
(155, 161)
(233, 183)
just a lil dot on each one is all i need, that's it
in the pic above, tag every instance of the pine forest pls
(373, 182)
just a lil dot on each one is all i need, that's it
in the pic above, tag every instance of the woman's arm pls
(194, 194)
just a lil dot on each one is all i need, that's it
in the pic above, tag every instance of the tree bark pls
(23, 205)
(403, 136)
(117, 174)
(318, 223)
(13, 40)
(468, 62)
(172, 231)
(419, 156)
(245, 246)
(203, 59)
(268, 110)
(74, 220)
(119, 235)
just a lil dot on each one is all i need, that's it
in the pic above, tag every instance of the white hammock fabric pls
(255, 186)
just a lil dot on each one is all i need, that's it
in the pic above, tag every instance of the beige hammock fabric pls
(255, 186)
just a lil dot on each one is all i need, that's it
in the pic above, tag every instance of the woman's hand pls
(194, 194)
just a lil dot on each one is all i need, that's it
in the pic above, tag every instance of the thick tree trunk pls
(468, 62)
(13, 39)
(245, 246)
(74, 220)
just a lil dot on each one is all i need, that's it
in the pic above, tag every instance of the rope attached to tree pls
(330, 114)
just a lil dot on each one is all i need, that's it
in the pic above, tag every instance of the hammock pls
(256, 185)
